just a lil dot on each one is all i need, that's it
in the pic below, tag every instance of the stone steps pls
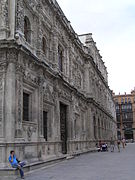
(13, 174)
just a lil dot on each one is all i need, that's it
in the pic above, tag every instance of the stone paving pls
(92, 166)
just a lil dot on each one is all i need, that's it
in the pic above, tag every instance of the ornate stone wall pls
(3, 19)
(33, 67)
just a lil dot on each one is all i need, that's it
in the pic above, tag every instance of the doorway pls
(45, 125)
(63, 127)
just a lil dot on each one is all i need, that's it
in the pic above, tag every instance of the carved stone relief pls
(77, 77)
(12, 56)
(28, 76)
(3, 13)
(20, 16)
(75, 103)
(19, 95)
(48, 92)
(64, 94)
(29, 130)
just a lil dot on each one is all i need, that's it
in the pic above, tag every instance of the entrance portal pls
(63, 127)
(45, 124)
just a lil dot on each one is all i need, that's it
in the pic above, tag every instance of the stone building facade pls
(54, 94)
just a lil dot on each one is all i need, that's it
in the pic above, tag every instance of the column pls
(67, 64)
(86, 79)
(91, 128)
(55, 50)
(40, 106)
(19, 101)
(2, 89)
(10, 99)
(12, 18)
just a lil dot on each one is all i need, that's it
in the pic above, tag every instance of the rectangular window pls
(26, 107)
(45, 125)
(60, 59)
(83, 120)
(75, 129)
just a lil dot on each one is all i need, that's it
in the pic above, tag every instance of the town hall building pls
(54, 93)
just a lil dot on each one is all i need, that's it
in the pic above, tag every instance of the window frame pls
(27, 29)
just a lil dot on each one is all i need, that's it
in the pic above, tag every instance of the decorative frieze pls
(64, 94)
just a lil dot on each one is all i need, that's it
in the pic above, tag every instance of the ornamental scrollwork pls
(31, 78)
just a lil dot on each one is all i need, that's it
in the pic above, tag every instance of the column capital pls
(12, 56)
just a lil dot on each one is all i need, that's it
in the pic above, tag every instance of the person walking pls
(123, 143)
(15, 163)
(118, 145)
(112, 144)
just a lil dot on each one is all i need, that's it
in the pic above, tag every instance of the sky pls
(112, 23)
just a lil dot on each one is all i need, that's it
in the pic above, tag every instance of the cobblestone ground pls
(92, 166)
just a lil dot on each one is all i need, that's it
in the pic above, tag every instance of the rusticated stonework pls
(54, 94)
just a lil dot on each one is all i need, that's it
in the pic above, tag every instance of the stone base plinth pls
(12, 173)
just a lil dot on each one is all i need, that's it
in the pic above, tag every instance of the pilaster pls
(55, 50)
(12, 18)
(2, 89)
(91, 129)
(86, 79)
(10, 97)
(19, 100)
(40, 109)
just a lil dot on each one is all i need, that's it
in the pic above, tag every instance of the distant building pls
(125, 114)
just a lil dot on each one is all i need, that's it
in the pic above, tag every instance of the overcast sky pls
(112, 23)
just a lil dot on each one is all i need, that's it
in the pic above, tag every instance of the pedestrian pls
(15, 163)
(118, 145)
(123, 143)
(106, 146)
(100, 145)
(112, 144)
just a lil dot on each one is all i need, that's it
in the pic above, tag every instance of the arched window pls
(44, 45)
(27, 29)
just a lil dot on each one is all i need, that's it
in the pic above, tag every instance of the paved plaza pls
(92, 166)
